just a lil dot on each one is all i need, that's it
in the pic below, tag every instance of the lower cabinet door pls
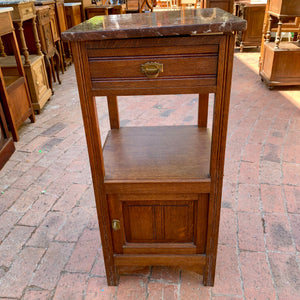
(159, 223)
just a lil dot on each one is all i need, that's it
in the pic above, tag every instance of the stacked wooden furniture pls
(223, 4)
(157, 189)
(254, 14)
(7, 146)
(15, 97)
(24, 20)
(280, 61)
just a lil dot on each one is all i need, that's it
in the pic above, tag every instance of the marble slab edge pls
(143, 25)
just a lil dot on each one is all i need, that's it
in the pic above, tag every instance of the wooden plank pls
(159, 260)
(157, 186)
(159, 248)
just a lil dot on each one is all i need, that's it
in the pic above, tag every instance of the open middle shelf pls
(157, 154)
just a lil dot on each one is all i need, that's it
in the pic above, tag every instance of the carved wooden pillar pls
(268, 35)
(36, 37)
(23, 43)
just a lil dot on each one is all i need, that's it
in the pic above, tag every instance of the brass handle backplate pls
(151, 69)
(115, 225)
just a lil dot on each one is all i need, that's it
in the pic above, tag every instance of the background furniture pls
(24, 20)
(83, 4)
(98, 10)
(280, 61)
(157, 189)
(73, 13)
(227, 5)
(15, 97)
(7, 146)
(254, 15)
(54, 28)
(47, 37)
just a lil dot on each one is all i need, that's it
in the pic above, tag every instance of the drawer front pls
(27, 10)
(125, 69)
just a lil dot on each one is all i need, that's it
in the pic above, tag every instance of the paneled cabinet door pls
(150, 223)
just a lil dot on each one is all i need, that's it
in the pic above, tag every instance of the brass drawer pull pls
(151, 69)
(116, 225)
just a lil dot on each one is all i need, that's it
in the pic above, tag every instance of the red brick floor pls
(49, 240)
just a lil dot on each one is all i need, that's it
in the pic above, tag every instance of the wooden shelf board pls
(157, 153)
(9, 80)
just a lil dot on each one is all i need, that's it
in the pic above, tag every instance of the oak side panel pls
(92, 131)
(221, 110)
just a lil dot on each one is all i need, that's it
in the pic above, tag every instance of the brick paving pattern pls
(49, 238)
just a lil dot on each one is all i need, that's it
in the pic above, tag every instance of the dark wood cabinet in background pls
(83, 4)
(73, 13)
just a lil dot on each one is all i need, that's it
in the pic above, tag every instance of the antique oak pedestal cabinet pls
(157, 189)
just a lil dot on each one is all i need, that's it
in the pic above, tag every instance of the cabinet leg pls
(241, 47)
(32, 118)
(113, 112)
(57, 63)
(203, 110)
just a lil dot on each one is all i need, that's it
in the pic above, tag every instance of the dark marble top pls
(156, 24)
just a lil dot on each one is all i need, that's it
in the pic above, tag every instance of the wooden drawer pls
(185, 65)
(27, 11)
(23, 11)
